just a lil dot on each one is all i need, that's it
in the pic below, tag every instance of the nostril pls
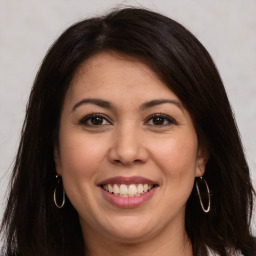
(127, 162)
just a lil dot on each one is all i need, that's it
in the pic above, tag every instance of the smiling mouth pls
(128, 190)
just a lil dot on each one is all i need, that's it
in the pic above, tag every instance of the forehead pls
(111, 71)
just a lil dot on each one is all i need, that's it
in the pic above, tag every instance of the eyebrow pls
(98, 102)
(144, 106)
(153, 103)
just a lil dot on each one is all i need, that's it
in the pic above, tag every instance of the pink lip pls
(127, 202)
(127, 180)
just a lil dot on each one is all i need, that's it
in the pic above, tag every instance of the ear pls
(202, 158)
(57, 160)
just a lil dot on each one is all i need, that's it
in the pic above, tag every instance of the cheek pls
(80, 154)
(80, 161)
(177, 158)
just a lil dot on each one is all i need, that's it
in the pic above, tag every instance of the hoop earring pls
(208, 195)
(55, 191)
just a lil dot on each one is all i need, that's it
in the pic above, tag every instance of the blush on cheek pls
(78, 156)
(179, 166)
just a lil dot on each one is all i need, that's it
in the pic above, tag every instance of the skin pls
(127, 141)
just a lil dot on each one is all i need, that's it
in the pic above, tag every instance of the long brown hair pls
(32, 225)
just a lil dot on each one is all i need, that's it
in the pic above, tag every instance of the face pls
(128, 152)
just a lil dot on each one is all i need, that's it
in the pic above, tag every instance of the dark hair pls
(34, 226)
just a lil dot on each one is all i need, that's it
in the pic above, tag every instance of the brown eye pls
(97, 120)
(160, 120)
(94, 120)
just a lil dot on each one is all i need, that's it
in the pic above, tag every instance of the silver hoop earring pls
(200, 197)
(59, 184)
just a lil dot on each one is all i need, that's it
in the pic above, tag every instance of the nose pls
(128, 146)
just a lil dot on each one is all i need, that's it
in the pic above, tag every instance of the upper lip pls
(127, 180)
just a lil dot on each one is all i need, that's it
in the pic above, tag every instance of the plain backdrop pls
(28, 27)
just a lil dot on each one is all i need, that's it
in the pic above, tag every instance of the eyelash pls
(84, 121)
(165, 118)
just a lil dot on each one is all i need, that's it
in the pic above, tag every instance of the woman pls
(129, 146)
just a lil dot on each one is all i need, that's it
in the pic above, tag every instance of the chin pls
(130, 229)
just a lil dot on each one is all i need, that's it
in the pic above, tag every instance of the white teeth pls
(132, 190)
(145, 187)
(109, 188)
(124, 190)
(116, 189)
(140, 189)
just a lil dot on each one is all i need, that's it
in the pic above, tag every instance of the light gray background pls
(28, 28)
